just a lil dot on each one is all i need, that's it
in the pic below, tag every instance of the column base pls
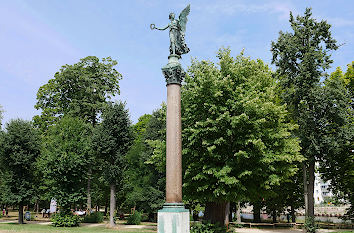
(173, 218)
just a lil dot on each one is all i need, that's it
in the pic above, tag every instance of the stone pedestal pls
(173, 218)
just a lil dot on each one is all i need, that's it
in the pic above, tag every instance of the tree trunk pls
(310, 189)
(256, 212)
(293, 217)
(238, 212)
(37, 207)
(20, 213)
(89, 173)
(112, 205)
(230, 211)
(304, 170)
(217, 212)
(274, 216)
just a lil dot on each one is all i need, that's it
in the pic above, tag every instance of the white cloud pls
(340, 22)
(232, 7)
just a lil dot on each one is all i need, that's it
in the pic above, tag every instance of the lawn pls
(34, 228)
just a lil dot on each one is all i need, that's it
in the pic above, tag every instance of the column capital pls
(173, 71)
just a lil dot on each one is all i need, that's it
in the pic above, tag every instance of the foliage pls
(65, 220)
(64, 160)
(19, 148)
(206, 227)
(134, 219)
(338, 162)
(95, 217)
(236, 136)
(310, 225)
(112, 140)
(302, 57)
(287, 194)
(81, 90)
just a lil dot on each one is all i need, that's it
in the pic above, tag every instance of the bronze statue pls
(177, 28)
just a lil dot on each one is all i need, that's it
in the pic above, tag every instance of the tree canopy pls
(236, 136)
(19, 148)
(64, 161)
(81, 90)
(302, 56)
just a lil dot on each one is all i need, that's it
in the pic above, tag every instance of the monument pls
(173, 217)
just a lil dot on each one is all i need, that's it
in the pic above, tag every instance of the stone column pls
(173, 145)
(173, 218)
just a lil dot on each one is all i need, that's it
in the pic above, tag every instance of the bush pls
(95, 217)
(65, 220)
(134, 219)
(207, 227)
(310, 225)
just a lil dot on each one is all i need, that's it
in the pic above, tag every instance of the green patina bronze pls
(177, 28)
(173, 71)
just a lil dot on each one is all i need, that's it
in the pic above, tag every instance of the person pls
(43, 212)
(48, 213)
(288, 216)
(3, 212)
(7, 212)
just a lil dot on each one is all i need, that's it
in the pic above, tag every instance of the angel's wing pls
(183, 17)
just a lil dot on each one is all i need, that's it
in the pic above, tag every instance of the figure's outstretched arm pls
(152, 26)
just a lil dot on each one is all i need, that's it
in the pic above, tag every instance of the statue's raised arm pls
(177, 28)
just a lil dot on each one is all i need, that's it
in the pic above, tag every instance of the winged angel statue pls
(177, 28)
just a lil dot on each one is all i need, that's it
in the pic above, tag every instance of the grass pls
(34, 228)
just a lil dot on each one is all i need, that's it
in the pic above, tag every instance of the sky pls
(37, 37)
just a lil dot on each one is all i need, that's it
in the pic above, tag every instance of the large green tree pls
(112, 140)
(301, 57)
(237, 141)
(82, 90)
(19, 149)
(337, 164)
(64, 159)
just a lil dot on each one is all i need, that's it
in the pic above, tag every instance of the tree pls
(63, 160)
(80, 90)
(337, 164)
(301, 57)
(237, 140)
(349, 78)
(19, 149)
(112, 140)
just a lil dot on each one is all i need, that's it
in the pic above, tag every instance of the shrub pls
(65, 220)
(134, 219)
(310, 225)
(95, 217)
(207, 227)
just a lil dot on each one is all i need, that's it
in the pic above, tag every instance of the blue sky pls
(37, 37)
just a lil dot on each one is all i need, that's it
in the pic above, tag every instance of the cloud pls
(231, 8)
(340, 22)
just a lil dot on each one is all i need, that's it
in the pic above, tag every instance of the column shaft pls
(173, 145)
